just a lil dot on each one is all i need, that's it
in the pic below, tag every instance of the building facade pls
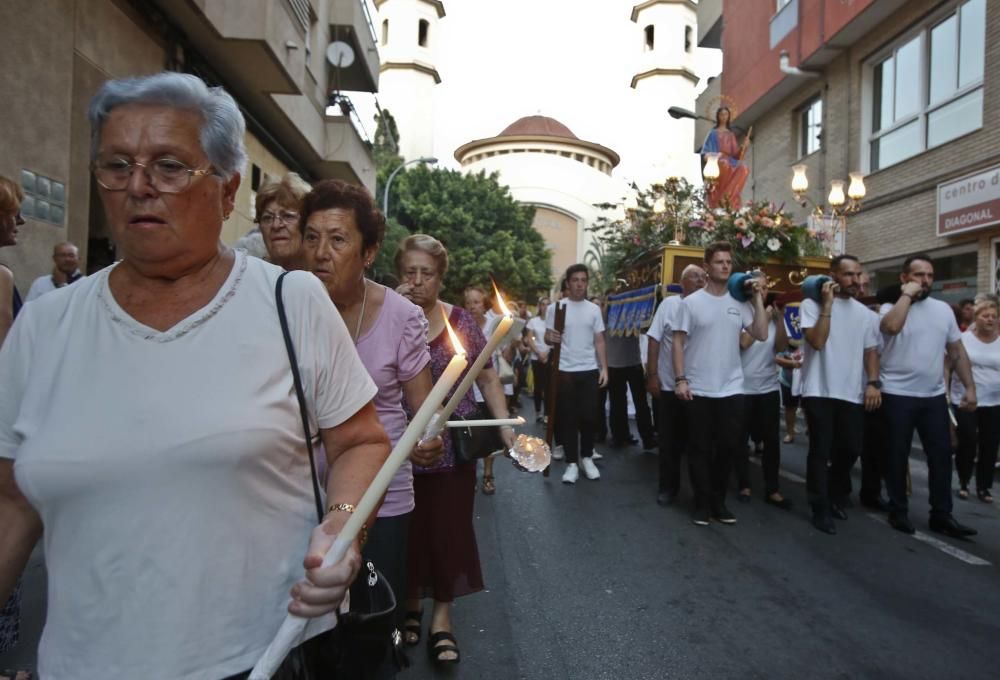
(904, 92)
(271, 55)
(562, 176)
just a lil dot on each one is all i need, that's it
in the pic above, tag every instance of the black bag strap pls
(299, 392)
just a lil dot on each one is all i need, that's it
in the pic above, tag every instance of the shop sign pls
(969, 203)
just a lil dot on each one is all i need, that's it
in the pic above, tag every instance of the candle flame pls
(503, 306)
(455, 342)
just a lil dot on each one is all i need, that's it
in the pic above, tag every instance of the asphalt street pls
(597, 581)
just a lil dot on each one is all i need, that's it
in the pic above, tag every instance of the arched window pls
(688, 42)
(423, 28)
(385, 31)
(650, 37)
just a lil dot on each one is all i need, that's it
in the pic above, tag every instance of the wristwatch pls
(877, 384)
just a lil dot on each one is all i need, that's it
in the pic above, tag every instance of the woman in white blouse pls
(979, 430)
(149, 425)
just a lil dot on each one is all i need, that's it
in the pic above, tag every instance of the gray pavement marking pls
(946, 548)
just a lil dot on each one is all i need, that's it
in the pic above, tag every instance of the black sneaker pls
(723, 515)
(701, 517)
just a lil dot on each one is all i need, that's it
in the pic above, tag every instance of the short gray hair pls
(222, 130)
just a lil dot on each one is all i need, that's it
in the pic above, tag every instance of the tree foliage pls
(487, 233)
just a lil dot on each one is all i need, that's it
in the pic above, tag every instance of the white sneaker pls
(589, 469)
(558, 453)
(572, 474)
(596, 455)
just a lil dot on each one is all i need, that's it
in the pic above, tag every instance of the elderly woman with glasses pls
(149, 427)
(278, 204)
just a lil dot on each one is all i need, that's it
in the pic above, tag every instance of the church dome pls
(537, 126)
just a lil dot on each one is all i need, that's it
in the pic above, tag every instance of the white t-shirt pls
(661, 329)
(170, 469)
(760, 372)
(838, 371)
(536, 326)
(583, 321)
(912, 362)
(45, 284)
(713, 323)
(985, 360)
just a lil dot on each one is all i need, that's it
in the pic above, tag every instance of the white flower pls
(773, 244)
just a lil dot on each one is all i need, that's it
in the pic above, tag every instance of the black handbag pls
(469, 444)
(358, 645)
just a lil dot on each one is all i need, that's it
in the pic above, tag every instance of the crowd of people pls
(188, 482)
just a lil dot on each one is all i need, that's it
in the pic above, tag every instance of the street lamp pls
(840, 205)
(430, 160)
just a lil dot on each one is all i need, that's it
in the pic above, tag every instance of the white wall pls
(546, 179)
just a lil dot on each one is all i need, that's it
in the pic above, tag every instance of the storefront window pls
(954, 276)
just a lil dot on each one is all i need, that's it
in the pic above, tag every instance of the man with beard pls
(917, 330)
(841, 335)
(706, 345)
(660, 383)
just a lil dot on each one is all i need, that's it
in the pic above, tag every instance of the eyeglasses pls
(285, 217)
(166, 175)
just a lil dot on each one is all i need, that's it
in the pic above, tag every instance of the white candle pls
(486, 423)
(293, 627)
(477, 366)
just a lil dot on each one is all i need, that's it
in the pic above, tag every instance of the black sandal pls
(434, 650)
(412, 629)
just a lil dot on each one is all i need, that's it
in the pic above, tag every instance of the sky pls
(572, 60)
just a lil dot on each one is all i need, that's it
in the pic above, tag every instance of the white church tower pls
(664, 47)
(408, 41)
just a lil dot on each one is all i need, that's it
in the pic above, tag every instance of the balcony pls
(710, 23)
(351, 23)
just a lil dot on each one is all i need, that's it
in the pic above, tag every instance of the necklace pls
(361, 317)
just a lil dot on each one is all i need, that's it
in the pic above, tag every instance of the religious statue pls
(733, 171)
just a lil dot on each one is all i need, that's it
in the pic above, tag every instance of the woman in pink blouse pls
(342, 231)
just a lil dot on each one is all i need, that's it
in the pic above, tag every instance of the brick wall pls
(899, 216)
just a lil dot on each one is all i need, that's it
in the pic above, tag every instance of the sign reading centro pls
(968, 203)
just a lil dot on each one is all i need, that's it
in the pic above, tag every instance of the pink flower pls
(767, 222)
(697, 224)
(740, 223)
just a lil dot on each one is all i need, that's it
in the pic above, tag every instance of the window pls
(928, 89)
(44, 198)
(811, 127)
(423, 28)
(650, 36)
(385, 31)
(687, 38)
(781, 3)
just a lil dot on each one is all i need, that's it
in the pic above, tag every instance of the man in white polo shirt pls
(917, 331)
(841, 336)
(583, 368)
(708, 374)
(660, 384)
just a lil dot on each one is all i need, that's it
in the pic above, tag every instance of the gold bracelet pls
(349, 508)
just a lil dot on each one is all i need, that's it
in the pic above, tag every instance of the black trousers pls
(978, 432)
(629, 378)
(577, 407)
(673, 441)
(835, 431)
(540, 375)
(873, 456)
(763, 413)
(929, 417)
(715, 437)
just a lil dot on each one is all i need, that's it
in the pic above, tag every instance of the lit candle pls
(498, 336)
(293, 627)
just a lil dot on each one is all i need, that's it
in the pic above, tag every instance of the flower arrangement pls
(676, 212)
(758, 231)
